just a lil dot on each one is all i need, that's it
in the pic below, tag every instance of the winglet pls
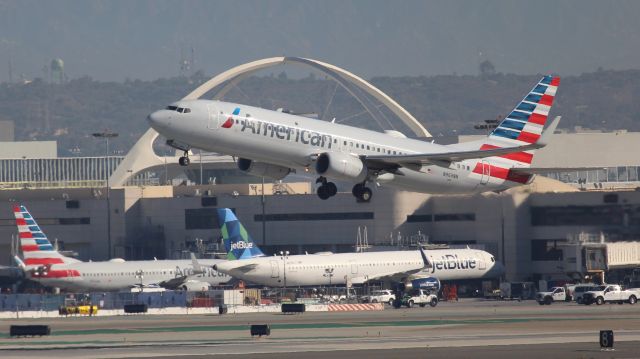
(197, 268)
(548, 132)
(19, 262)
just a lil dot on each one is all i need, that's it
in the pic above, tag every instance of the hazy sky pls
(114, 40)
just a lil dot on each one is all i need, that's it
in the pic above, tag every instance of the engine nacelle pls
(341, 166)
(429, 283)
(261, 169)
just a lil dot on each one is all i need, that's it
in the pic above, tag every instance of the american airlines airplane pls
(44, 264)
(274, 144)
(413, 268)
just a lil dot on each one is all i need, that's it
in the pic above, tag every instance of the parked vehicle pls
(610, 294)
(580, 289)
(380, 296)
(420, 297)
(556, 294)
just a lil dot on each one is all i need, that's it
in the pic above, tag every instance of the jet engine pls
(341, 166)
(429, 283)
(261, 169)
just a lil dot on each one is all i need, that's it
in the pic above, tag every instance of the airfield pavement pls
(464, 329)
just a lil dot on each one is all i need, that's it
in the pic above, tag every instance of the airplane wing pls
(395, 276)
(245, 268)
(382, 161)
(173, 283)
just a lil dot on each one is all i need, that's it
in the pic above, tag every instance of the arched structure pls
(142, 156)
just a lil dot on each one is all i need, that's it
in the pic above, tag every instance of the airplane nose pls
(154, 119)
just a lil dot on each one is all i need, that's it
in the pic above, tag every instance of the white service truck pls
(610, 294)
(556, 294)
(420, 297)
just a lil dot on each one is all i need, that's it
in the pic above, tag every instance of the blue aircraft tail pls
(237, 242)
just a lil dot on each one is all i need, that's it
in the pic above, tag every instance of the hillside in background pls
(446, 105)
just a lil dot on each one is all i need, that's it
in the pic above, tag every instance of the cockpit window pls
(178, 109)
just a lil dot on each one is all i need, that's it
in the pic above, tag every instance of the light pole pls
(107, 135)
(284, 256)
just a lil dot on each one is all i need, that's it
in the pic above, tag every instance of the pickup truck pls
(420, 297)
(556, 294)
(380, 296)
(610, 294)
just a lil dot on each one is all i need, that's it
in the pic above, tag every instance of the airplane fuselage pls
(294, 142)
(116, 275)
(358, 268)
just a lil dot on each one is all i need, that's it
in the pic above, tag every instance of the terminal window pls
(412, 218)
(454, 217)
(201, 218)
(546, 250)
(577, 215)
(314, 216)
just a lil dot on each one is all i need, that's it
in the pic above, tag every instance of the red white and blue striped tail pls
(36, 248)
(522, 127)
(525, 123)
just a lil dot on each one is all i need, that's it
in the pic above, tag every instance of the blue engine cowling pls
(429, 283)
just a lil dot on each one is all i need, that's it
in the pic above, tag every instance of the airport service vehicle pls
(42, 263)
(610, 294)
(556, 294)
(380, 296)
(420, 297)
(344, 269)
(273, 144)
(580, 289)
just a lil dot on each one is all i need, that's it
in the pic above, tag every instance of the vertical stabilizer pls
(36, 248)
(237, 242)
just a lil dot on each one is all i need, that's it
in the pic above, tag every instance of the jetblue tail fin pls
(36, 248)
(237, 242)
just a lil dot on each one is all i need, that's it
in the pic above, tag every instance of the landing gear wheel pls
(184, 161)
(323, 193)
(362, 193)
(331, 189)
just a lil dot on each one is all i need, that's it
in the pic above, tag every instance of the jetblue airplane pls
(414, 268)
(44, 264)
(273, 144)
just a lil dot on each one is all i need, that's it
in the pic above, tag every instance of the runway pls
(453, 330)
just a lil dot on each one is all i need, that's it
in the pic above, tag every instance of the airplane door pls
(486, 172)
(354, 268)
(482, 265)
(275, 269)
(213, 121)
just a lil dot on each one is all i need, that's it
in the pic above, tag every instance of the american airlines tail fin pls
(524, 125)
(36, 248)
(237, 242)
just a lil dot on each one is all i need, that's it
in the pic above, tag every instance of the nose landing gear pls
(184, 160)
(326, 189)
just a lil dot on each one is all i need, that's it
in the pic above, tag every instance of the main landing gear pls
(326, 189)
(184, 160)
(362, 193)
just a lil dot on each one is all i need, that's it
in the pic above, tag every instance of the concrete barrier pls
(355, 307)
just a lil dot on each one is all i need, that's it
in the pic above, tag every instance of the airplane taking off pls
(328, 268)
(274, 144)
(44, 264)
